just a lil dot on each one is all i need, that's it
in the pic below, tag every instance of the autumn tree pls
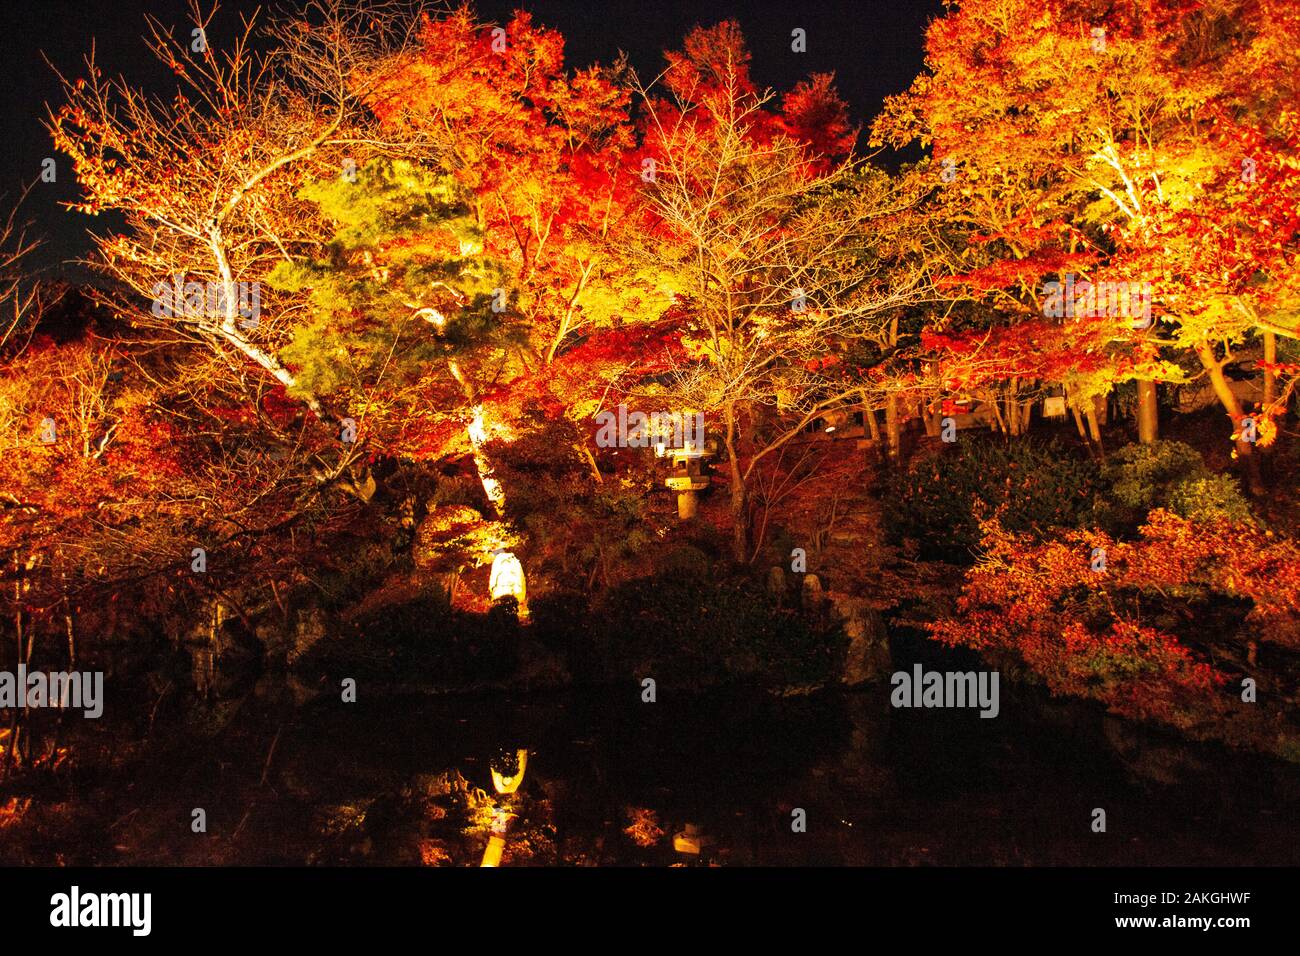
(1099, 127)
(1226, 238)
(24, 295)
(771, 243)
(543, 155)
(1121, 631)
(479, 259)
(206, 179)
(1215, 215)
(1002, 77)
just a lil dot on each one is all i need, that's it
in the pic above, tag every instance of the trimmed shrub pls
(939, 501)
(1165, 474)
(1214, 496)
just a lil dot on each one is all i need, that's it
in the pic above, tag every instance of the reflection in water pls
(507, 776)
(604, 779)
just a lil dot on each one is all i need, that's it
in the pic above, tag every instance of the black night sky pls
(874, 52)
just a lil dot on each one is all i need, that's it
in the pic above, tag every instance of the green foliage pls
(1164, 474)
(939, 500)
(683, 558)
(575, 526)
(1210, 497)
(580, 530)
(454, 490)
(1141, 476)
(395, 198)
(405, 240)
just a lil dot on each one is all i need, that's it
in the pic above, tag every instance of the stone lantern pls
(688, 476)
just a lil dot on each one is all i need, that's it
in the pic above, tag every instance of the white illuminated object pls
(507, 578)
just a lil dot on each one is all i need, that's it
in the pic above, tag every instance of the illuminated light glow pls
(477, 427)
(478, 438)
(497, 841)
(507, 579)
(433, 317)
(510, 784)
(492, 853)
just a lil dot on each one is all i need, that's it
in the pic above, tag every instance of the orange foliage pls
(1114, 634)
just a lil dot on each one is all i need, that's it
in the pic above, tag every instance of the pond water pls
(287, 778)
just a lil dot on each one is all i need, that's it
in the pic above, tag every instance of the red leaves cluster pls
(1086, 632)
(608, 363)
(1032, 349)
(713, 66)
